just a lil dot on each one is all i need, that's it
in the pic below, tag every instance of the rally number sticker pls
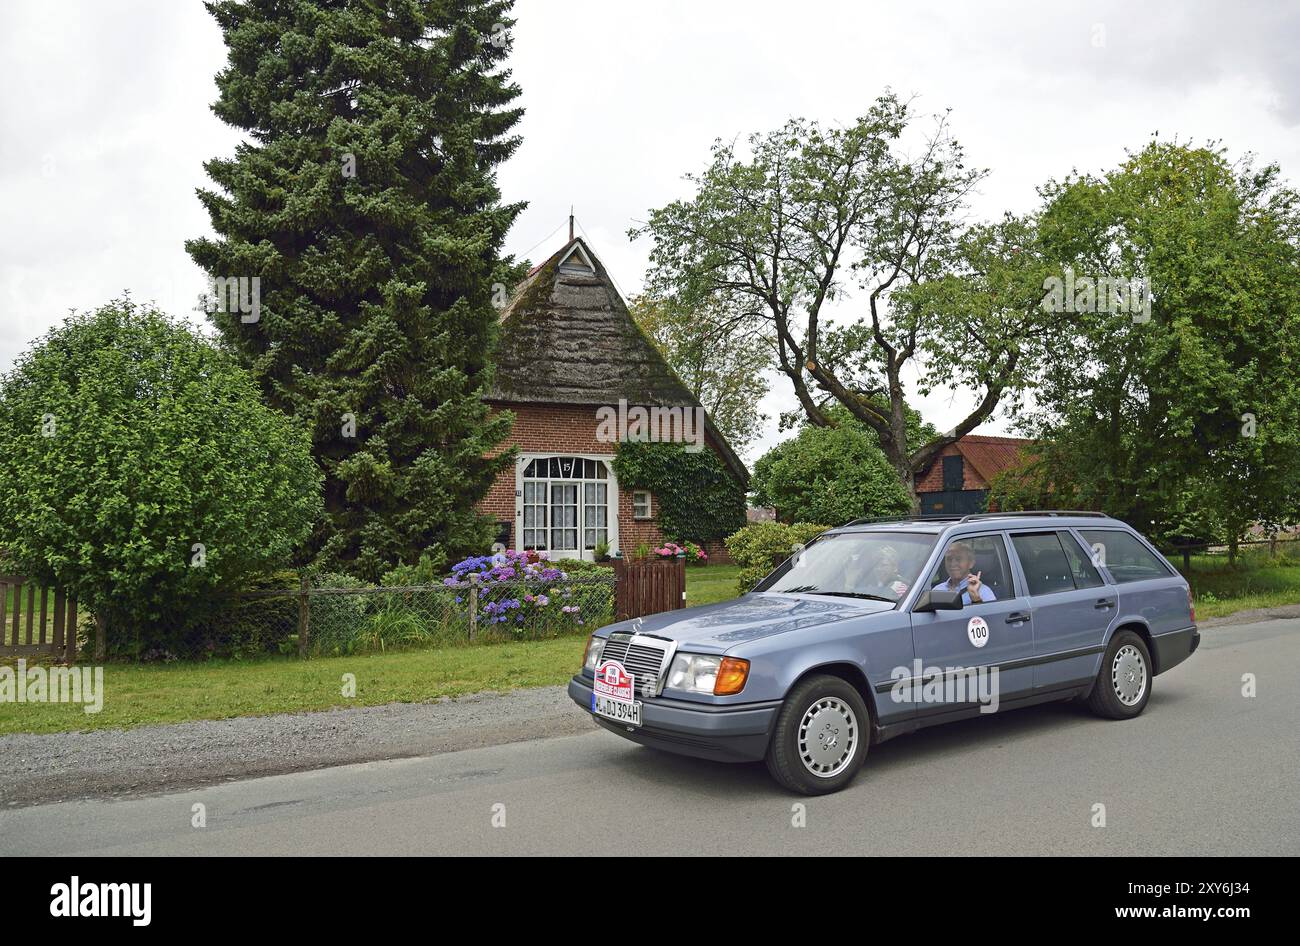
(613, 681)
(977, 629)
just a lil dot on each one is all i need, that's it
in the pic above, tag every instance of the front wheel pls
(1123, 684)
(821, 736)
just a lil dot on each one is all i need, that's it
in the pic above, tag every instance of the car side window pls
(1043, 561)
(988, 554)
(1126, 557)
(1081, 569)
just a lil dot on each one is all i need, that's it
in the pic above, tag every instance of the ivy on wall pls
(699, 499)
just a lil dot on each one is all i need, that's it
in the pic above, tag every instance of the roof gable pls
(988, 455)
(567, 338)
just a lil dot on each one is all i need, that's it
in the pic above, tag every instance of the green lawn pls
(1256, 581)
(706, 584)
(143, 694)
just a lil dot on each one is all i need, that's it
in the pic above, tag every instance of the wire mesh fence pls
(348, 620)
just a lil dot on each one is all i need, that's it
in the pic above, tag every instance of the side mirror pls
(939, 599)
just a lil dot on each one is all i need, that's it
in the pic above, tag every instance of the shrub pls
(520, 590)
(529, 596)
(695, 554)
(428, 570)
(141, 472)
(236, 627)
(761, 546)
(829, 474)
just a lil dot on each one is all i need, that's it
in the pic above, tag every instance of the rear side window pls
(1126, 557)
(1085, 576)
(1044, 563)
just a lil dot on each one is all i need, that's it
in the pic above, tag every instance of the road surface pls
(1205, 770)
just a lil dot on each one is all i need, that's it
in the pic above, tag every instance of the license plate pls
(627, 712)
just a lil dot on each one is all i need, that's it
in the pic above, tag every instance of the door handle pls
(1017, 617)
(1103, 604)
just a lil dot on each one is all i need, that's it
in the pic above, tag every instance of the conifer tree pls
(361, 223)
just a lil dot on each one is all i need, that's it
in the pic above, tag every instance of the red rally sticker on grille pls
(614, 681)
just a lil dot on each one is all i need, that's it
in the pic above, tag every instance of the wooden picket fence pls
(36, 620)
(648, 587)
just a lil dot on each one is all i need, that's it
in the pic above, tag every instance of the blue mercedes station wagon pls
(883, 627)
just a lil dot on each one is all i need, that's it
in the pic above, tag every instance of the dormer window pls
(577, 260)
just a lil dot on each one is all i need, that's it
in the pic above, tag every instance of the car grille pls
(643, 658)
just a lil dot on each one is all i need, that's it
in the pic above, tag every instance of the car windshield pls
(873, 565)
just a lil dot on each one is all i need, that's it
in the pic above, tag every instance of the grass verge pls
(1256, 581)
(148, 694)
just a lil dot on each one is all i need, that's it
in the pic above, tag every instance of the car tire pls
(1123, 684)
(821, 736)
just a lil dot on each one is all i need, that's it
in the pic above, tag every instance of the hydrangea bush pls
(523, 590)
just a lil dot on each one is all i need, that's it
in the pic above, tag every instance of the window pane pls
(987, 555)
(1044, 563)
(1085, 576)
(1126, 557)
(879, 563)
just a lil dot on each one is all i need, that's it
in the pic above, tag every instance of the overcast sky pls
(105, 119)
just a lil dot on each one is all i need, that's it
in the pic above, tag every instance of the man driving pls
(959, 560)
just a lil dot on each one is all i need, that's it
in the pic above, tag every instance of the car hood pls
(713, 628)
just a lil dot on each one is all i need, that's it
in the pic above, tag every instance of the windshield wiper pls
(855, 594)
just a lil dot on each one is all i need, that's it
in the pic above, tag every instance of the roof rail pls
(1035, 512)
(936, 517)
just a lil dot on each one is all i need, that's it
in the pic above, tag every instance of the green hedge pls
(760, 547)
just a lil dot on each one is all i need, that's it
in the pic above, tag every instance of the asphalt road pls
(1205, 770)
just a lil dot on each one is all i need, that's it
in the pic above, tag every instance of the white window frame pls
(611, 498)
(649, 505)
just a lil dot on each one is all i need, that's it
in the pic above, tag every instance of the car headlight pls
(701, 673)
(595, 647)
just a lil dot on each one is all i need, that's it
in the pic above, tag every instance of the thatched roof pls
(568, 338)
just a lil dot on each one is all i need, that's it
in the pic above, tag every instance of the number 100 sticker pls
(977, 630)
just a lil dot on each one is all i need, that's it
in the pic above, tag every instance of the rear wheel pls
(1123, 684)
(821, 736)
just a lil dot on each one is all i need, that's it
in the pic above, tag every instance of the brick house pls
(958, 479)
(569, 348)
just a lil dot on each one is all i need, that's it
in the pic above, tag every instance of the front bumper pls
(1175, 647)
(721, 733)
